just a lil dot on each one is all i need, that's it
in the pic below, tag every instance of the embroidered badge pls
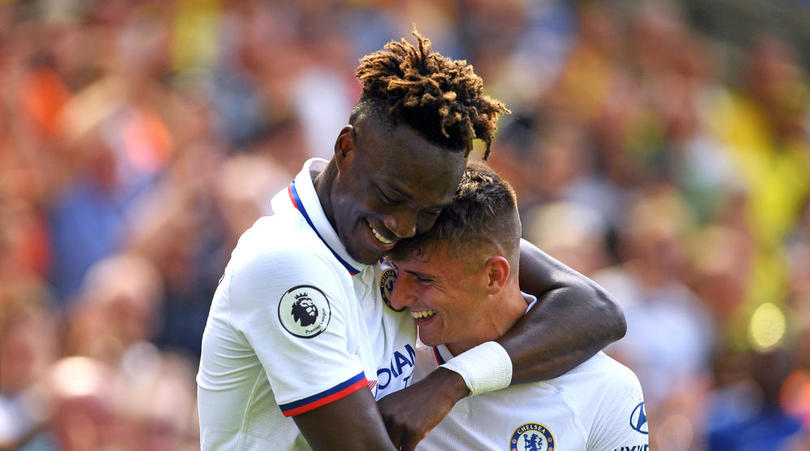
(532, 437)
(389, 276)
(304, 311)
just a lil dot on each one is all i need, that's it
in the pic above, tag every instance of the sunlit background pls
(659, 147)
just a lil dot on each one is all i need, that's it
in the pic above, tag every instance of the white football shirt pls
(295, 324)
(595, 406)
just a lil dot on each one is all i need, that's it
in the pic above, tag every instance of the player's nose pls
(402, 224)
(402, 294)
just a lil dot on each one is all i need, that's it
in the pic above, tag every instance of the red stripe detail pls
(362, 383)
(292, 199)
(436, 355)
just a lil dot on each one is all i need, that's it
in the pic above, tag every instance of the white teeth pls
(423, 314)
(382, 239)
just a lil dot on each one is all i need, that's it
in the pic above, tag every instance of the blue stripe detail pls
(300, 206)
(323, 394)
(438, 355)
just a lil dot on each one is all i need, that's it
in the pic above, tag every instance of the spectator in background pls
(659, 306)
(118, 309)
(29, 345)
(157, 403)
(118, 134)
(756, 418)
(571, 233)
(763, 126)
(634, 95)
(83, 396)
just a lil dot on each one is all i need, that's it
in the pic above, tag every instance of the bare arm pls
(573, 320)
(353, 422)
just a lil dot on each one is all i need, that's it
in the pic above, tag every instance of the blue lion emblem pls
(532, 443)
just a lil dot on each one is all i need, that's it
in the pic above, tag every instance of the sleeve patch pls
(304, 311)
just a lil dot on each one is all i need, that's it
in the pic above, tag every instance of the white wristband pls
(484, 368)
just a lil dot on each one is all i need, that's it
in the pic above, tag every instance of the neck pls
(506, 308)
(323, 188)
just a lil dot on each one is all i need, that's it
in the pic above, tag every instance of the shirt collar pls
(302, 195)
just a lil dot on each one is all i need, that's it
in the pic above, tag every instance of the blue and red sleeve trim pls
(333, 394)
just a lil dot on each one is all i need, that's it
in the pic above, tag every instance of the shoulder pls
(271, 259)
(616, 413)
(275, 244)
(599, 383)
(609, 372)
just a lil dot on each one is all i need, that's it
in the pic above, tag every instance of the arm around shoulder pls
(573, 319)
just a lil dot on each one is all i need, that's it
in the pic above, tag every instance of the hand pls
(411, 413)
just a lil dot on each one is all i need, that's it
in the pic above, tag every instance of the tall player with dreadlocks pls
(301, 338)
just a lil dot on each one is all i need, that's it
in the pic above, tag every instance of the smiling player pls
(272, 376)
(460, 282)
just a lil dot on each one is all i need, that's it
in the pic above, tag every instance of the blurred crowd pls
(138, 139)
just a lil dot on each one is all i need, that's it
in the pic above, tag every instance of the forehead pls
(402, 160)
(430, 255)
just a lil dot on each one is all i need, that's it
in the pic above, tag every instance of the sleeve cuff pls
(327, 396)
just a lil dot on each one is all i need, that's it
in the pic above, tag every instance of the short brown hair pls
(483, 212)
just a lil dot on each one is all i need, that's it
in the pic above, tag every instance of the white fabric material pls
(392, 333)
(592, 407)
(251, 363)
(484, 368)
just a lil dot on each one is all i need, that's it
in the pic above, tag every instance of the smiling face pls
(460, 280)
(391, 184)
(446, 294)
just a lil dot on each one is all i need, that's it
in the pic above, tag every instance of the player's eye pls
(389, 198)
(432, 213)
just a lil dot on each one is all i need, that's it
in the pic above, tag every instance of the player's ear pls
(344, 145)
(497, 268)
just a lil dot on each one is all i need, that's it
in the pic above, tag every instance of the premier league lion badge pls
(532, 437)
(387, 280)
(304, 311)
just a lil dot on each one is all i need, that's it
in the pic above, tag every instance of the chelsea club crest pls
(389, 276)
(532, 437)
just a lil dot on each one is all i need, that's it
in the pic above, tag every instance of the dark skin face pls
(386, 185)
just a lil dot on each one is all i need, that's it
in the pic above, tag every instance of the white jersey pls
(295, 324)
(595, 406)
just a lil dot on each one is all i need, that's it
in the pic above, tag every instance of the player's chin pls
(427, 337)
(367, 253)
(365, 257)
(367, 249)
(361, 248)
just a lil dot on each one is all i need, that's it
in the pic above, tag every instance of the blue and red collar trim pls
(296, 200)
(438, 356)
